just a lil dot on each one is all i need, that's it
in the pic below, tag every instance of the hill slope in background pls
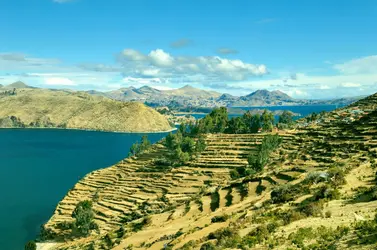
(189, 96)
(77, 110)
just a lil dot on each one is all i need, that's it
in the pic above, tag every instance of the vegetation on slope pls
(315, 191)
(76, 110)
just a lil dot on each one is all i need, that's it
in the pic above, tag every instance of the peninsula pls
(25, 107)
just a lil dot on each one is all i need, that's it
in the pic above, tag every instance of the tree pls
(84, 216)
(135, 148)
(236, 125)
(30, 245)
(255, 124)
(169, 140)
(267, 121)
(145, 143)
(286, 117)
(200, 145)
(269, 143)
(183, 129)
(188, 145)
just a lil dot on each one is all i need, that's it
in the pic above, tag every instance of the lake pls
(303, 110)
(38, 167)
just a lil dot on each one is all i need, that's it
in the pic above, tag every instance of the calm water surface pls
(302, 110)
(38, 167)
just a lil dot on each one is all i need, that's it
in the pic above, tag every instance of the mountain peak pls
(187, 86)
(18, 85)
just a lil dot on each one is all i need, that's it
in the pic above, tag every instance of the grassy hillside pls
(317, 191)
(76, 110)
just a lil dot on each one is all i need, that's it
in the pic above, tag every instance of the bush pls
(283, 193)
(312, 208)
(327, 192)
(208, 246)
(337, 176)
(215, 201)
(30, 245)
(220, 218)
(234, 174)
(229, 198)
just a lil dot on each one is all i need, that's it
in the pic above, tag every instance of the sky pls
(308, 49)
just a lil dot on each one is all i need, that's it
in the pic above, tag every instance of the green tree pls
(269, 143)
(135, 149)
(255, 123)
(145, 143)
(169, 140)
(30, 245)
(188, 145)
(236, 125)
(200, 145)
(84, 218)
(286, 117)
(267, 121)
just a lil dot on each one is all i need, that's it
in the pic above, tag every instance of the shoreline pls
(91, 130)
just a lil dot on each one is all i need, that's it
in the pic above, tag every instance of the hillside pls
(264, 98)
(76, 110)
(317, 191)
(17, 85)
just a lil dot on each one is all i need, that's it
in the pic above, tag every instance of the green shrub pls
(301, 235)
(284, 193)
(234, 174)
(215, 201)
(229, 198)
(30, 245)
(327, 192)
(312, 208)
(220, 218)
(208, 246)
(337, 176)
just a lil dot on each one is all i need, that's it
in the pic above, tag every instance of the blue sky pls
(308, 49)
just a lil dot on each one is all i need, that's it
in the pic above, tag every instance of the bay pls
(39, 166)
(302, 110)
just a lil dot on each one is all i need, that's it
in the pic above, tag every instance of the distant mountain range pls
(189, 96)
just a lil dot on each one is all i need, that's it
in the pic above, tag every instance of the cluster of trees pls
(286, 120)
(218, 122)
(258, 161)
(315, 116)
(8, 92)
(183, 145)
(139, 147)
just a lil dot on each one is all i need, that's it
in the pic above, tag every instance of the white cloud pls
(350, 85)
(184, 68)
(133, 55)
(59, 81)
(160, 58)
(364, 65)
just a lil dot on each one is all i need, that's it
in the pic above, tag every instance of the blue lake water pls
(302, 110)
(38, 167)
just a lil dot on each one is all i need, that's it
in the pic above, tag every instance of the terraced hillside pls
(318, 191)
